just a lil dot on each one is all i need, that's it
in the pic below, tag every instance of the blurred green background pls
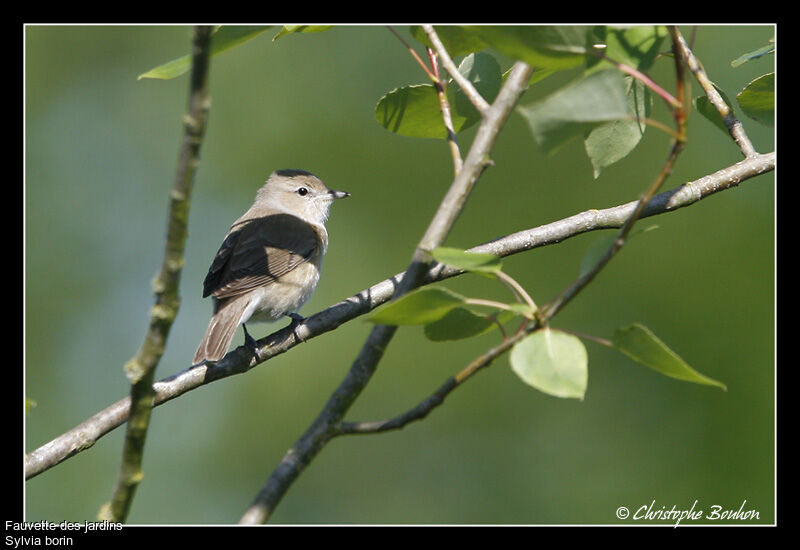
(101, 150)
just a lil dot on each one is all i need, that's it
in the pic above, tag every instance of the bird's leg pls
(249, 341)
(296, 320)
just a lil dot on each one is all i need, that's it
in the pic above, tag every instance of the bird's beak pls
(339, 194)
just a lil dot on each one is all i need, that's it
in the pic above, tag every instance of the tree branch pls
(141, 369)
(239, 361)
(435, 399)
(365, 364)
(734, 126)
(550, 310)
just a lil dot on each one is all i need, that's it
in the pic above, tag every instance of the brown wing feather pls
(256, 252)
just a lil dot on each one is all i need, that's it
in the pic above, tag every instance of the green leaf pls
(223, 39)
(764, 50)
(577, 108)
(456, 40)
(419, 307)
(640, 344)
(705, 108)
(461, 323)
(634, 46)
(553, 362)
(757, 100)
(468, 261)
(484, 72)
(291, 29)
(413, 111)
(613, 141)
(544, 47)
(537, 76)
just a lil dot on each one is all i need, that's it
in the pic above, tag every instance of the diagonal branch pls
(239, 361)
(436, 398)
(365, 364)
(141, 369)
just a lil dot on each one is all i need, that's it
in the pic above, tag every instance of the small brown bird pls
(269, 263)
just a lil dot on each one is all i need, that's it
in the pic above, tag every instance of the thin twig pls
(86, 434)
(414, 54)
(657, 124)
(641, 77)
(432, 401)
(517, 289)
(466, 86)
(495, 304)
(734, 126)
(141, 369)
(447, 118)
(602, 341)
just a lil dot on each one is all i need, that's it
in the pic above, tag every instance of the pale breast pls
(284, 296)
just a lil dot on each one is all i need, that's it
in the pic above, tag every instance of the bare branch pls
(414, 54)
(141, 369)
(435, 399)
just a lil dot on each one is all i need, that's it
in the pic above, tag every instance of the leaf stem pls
(495, 304)
(414, 55)
(596, 339)
(447, 118)
(516, 289)
(640, 76)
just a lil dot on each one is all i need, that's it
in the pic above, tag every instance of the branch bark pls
(240, 361)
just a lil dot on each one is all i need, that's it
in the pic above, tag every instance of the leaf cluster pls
(552, 361)
(606, 105)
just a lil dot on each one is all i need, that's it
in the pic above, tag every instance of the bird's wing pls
(256, 252)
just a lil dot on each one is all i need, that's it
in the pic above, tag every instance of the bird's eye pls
(302, 191)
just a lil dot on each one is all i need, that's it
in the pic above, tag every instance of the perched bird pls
(269, 262)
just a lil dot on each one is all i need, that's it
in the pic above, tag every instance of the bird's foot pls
(296, 320)
(250, 342)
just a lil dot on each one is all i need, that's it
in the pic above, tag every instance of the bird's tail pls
(220, 331)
